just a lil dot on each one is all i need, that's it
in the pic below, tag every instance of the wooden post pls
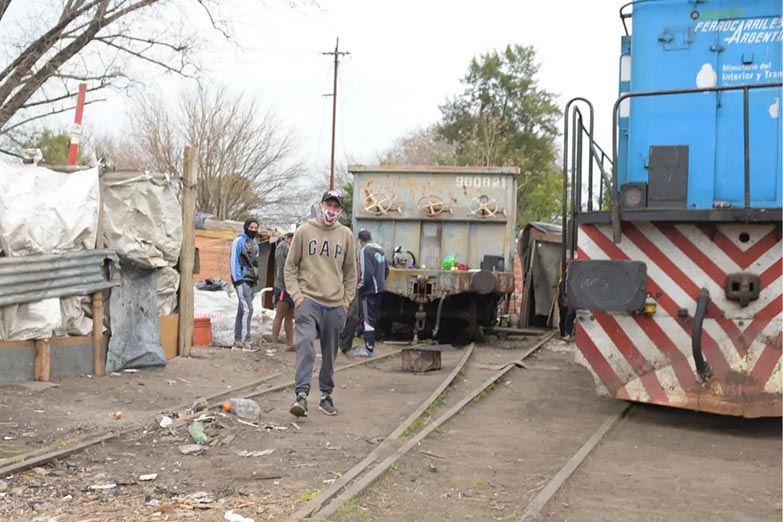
(42, 359)
(187, 255)
(98, 352)
(98, 357)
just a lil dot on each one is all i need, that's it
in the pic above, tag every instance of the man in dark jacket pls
(244, 276)
(373, 271)
(284, 305)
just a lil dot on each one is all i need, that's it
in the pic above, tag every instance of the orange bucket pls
(202, 331)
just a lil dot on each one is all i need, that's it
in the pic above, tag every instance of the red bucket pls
(202, 331)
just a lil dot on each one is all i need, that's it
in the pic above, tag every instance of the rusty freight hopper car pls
(448, 232)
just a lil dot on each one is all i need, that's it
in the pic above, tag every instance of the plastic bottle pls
(245, 408)
(196, 431)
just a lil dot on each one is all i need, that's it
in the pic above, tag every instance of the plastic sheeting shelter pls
(540, 247)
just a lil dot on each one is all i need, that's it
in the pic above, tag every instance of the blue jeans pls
(244, 312)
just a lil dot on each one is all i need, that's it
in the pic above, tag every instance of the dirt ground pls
(659, 465)
(307, 455)
(486, 463)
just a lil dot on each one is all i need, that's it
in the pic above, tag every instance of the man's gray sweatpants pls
(312, 320)
(244, 312)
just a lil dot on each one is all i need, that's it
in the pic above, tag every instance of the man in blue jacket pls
(373, 271)
(244, 276)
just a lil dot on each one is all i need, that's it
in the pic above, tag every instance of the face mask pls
(329, 216)
(251, 233)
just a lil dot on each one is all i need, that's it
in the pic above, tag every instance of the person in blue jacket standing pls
(244, 276)
(373, 271)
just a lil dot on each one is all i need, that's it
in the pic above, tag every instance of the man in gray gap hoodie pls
(320, 275)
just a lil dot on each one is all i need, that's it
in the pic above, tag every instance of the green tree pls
(347, 217)
(54, 146)
(503, 118)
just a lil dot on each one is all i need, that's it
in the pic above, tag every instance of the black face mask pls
(251, 233)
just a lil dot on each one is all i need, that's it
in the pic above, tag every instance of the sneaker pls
(299, 408)
(363, 352)
(290, 349)
(238, 345)
(327, 405)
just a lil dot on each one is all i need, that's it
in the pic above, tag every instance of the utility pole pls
(336, 53)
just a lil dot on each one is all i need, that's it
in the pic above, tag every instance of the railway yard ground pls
(506, 430)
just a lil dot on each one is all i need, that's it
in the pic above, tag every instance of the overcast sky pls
(406, 58)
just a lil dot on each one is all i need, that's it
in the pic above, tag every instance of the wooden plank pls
(98, 357)
(527, 294)
(43, 359)
(228, 235)
(537, 235)
(54, 341)
(187, 254)
(533, 509)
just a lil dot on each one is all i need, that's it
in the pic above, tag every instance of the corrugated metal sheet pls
(27, 279)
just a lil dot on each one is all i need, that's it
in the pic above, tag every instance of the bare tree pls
(246, 157)
(48, 49)
(420, 147)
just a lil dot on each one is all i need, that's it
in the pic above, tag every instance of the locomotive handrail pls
(746, 133)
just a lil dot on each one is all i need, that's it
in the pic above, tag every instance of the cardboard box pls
(169, 333)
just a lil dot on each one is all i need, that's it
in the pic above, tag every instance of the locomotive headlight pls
(633, 195)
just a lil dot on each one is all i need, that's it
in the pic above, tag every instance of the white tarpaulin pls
(167, 285)
(30, 321)
(143, 218)
(221, 308)
(47, 212)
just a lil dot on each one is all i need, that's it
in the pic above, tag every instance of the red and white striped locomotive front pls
(647, 355)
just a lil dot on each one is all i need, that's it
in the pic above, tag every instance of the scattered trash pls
(228, 440)
(100, 487)
(166, 421)
(275, 427)
(66, 498)
(247, 423)
(191, 449)
(153, 503)
(171, 382)
(245, 408)
(295, 426)
(147, 478)
(114, 374)
(41, 471)
(117, 415)
(257, 453)
(230, 516)
(130, 370)
(196, 431)
(201, 497)
(433, 468)
(3, 486)
(201, 404)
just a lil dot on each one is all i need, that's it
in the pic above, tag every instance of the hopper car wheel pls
(431, 205)
(484, 206)
(377, 206)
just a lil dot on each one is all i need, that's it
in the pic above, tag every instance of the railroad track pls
(359, 478)
(384, 461)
